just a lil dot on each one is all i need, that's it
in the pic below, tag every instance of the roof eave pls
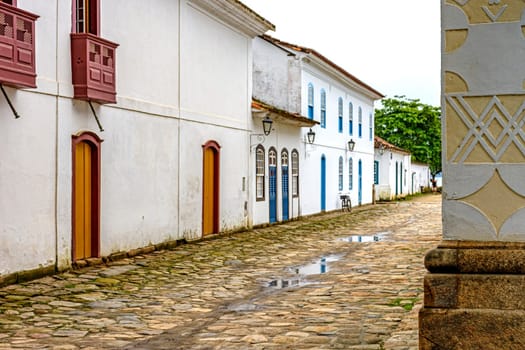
(261, 109)
(237, 15)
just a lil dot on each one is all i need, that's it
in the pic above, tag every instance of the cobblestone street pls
(333, 281)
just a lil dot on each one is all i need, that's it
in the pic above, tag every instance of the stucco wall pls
(27, 186)
(282, 137)
(270, 74)
(151, 154)
(333, 144)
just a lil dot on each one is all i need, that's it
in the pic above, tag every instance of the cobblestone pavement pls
(242, 291)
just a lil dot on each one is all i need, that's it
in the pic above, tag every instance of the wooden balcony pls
(93, 68)
(17, 47)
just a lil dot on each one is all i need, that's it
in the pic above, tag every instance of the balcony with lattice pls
(93, 68)
(17, 47)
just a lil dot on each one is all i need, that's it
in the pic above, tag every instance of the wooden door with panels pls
(86, 196)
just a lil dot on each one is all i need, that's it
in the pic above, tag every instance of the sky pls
(393, 46)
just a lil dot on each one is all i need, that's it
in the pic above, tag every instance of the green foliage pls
(411, 125)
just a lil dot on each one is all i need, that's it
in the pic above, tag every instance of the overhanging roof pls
(236, 14)
(262, 109)
(378, 142)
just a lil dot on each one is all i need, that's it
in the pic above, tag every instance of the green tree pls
(412, 125)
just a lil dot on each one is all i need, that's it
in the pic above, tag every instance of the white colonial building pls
(421, 177)
(395, 175)
(168, 81)
(309, 86)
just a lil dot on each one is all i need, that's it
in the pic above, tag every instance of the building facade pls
(393, 173)
(128, 135)
(304, 83)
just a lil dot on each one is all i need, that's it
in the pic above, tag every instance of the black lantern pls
(267, 125)
(351, 145)
(311, 136)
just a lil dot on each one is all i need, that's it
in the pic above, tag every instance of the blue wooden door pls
(284, 184)
(323, 183)
(397, 178)
(360, 182)
(272, 186)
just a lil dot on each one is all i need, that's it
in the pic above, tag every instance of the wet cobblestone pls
(228, 293)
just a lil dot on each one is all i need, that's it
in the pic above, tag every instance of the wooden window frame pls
(360, 123)
(323, 108)
(310, 101)
(91, 14)
(260, 175)
(371, 127)
(350, 119)
(295, 173)
(340, 114)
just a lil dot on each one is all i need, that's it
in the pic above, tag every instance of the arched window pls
(350, 174)
(310, 101)
(284, 157)
(272, 157)
(323, 108)
(370, 126)
(259, 173)
(340, 173)
(350, 119)
(360, 123)
(295, 173)
(340, 114)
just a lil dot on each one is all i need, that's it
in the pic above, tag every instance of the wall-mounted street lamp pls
(381, 149)
(267, 129)
(267, 125)
(310, 136)
(351, 145)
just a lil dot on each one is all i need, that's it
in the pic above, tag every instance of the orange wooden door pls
(83, 201)
(208, 208)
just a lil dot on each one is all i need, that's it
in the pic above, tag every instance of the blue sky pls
(394, 46)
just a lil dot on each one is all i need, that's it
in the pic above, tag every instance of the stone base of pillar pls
(474, 296)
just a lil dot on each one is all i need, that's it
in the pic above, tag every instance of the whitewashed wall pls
(333, 144)
(421, 176)
(287, 137)
(271, 69)
(28, 161)
(158, 126)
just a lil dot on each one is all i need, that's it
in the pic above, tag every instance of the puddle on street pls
(285, 283)
(365, 238)
(316, 268)
(319, 267)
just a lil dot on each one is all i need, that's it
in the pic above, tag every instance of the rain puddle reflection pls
(365, 238)
(319, 267)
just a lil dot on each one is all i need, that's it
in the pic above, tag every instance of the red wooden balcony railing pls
(17, 47)
(93, 68)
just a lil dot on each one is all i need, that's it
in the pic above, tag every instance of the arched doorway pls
(210, 188)
(323, 183)
(86, 196)
(284, 184)
(360, 182)
(397, 179)
(272, 185)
